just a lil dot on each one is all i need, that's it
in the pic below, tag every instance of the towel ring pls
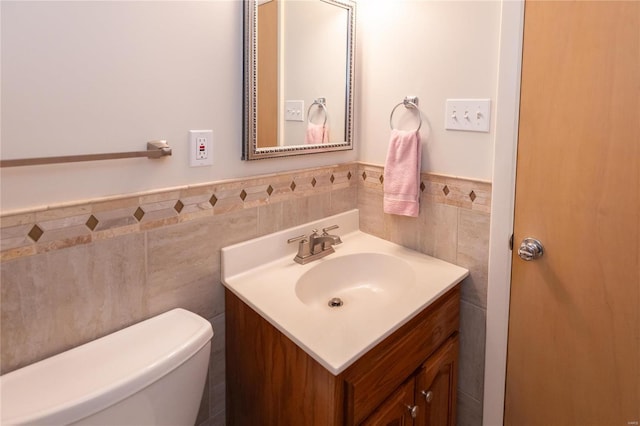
(408, 102)
(321, 102)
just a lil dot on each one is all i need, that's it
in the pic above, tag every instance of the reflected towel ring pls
(408, 102)
(321, 102)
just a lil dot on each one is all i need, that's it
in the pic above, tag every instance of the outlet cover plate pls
(200, 148)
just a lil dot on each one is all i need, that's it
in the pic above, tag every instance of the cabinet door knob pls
(428, 395)
(413, 410)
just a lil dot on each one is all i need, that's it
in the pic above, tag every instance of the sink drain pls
(336, 302)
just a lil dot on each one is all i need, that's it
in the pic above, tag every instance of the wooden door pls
(436, 387)
(268, 74)
(395, 410)
(574, 328)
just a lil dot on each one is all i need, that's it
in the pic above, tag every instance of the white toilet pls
(151, 373)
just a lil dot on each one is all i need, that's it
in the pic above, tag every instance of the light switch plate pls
(471, 115)
(294, 110)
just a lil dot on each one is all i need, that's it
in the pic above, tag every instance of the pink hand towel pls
(316, 133)
(402, 174)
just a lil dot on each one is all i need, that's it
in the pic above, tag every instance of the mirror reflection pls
(299, 76)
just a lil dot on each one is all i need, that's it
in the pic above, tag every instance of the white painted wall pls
(91, 77)
(434, 50)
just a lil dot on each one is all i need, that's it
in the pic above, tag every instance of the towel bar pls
(155, 149)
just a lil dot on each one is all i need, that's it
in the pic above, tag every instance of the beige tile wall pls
(82, 278)
(453, 225)
(70, 274)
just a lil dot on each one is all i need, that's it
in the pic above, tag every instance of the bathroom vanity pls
(408, 378)
(294, 357)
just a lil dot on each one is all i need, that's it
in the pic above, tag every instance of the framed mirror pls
(298, 77)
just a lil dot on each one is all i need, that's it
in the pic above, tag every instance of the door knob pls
(530, 249)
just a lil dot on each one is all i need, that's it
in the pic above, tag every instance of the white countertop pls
(262, 273)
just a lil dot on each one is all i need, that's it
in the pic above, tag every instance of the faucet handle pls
(298, 238)
(325, 231)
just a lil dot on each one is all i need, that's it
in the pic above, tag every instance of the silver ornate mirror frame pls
(250, 149)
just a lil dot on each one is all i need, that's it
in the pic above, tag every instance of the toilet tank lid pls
(96, 375)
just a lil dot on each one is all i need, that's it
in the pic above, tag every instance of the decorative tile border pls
(42, 230)
(455, 191)
(52, 228)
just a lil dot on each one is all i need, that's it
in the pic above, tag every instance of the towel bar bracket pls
(409, 100)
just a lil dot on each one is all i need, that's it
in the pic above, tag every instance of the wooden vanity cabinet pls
(436, 384)
(397, 409)
(428, 398)
(271, 381)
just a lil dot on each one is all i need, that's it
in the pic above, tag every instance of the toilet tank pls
(151, 373)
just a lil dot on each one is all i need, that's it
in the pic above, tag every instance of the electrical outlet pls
(471, 115)
(200, 148)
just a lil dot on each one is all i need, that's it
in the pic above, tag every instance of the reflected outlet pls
(200, 148)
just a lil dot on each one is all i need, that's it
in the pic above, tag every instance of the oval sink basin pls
(361, 279)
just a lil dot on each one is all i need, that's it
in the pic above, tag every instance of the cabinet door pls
(436, 387)
(396, 409)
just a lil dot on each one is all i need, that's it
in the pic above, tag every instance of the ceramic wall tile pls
(119, 203)
(344, 199)
(26, 218)
(319, 206)
(280, 188)
(99, 288)
(217, 366)
(115, 218)
(228, 198)
(218, 419)
(255, 195)
(472, 347)
(295, 212)
(203, 411)
(184, 267)
(178, 255)
(53, 214)
(26, 309)
(473, 254)
(196, 202)
(270, 218)
(15, 236)
(439, 229)
(343, 177)
(370, 212)
(403, 230)
(469, 411)
(233, 228)
(370, 177)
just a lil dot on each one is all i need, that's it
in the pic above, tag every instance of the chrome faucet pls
(315, 246)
